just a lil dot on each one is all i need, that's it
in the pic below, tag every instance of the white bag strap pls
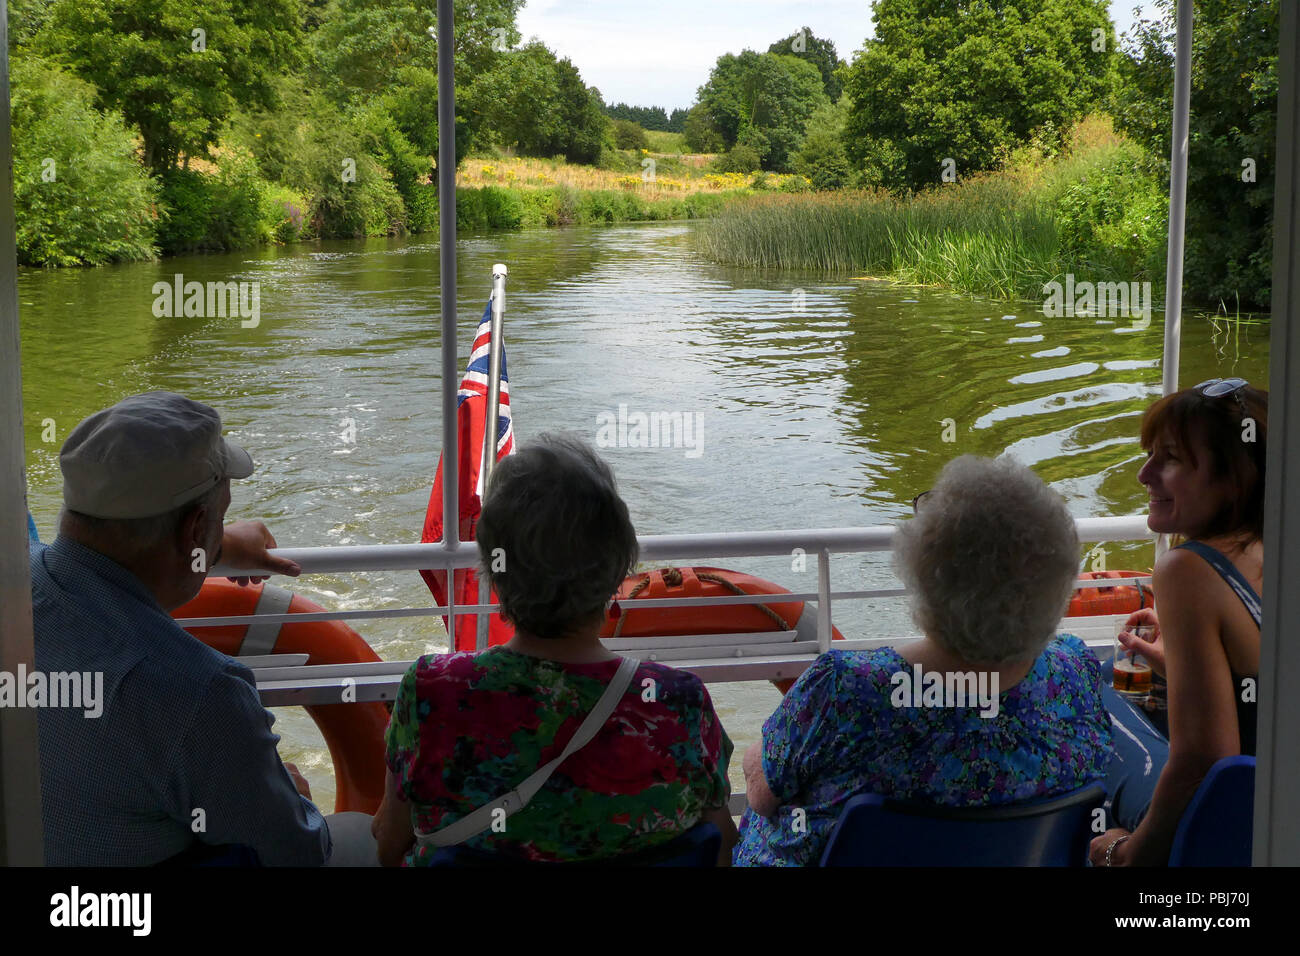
(472, 824)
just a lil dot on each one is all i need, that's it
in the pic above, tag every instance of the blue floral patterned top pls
(838, 734)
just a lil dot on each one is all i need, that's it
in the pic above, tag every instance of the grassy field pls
(671, 176)
(662, 142)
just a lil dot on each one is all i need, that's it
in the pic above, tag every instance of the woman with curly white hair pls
(555, 540)
(988, 707)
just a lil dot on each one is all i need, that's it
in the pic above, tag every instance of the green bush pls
(233, 209)
(410, 170)
(741, 158)
(620, 161)
(567, 204)
(628, 135)
(337, 162)
(498, 207)
(489, 207)
(422, 208)
(238, 214)
(1112, 220)
(286, 212)
(541, 207)
(352, 196)
(80, 197)
(187, 202)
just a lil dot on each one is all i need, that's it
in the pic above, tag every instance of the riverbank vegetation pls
(956, 154)
(988, 155)
(1096, 209)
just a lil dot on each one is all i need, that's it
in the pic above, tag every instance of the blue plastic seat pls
(697, 847)
(1216, 829)
(877, 831)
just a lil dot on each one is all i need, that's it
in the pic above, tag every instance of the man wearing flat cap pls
(182, 756)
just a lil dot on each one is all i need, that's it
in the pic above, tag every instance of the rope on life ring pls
(673, 578)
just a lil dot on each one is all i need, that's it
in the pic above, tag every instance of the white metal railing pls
(752, 657)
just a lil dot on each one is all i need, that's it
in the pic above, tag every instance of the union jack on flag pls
(471, 420)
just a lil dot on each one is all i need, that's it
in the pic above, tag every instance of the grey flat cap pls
(147, 455)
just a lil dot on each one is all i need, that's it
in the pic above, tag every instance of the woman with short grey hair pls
(555, 541)
(990, 560)
(986, 708)
(555, 550)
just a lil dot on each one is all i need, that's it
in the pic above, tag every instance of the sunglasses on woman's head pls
(1215, 387)
(916, 502)
(1218, 387)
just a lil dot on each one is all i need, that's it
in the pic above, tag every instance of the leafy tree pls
(699, 132)
(363, 45)
(26, 17)
(411, 170)
(677, 120)
(173, 84)
(647, 117)
(628, 135)
(820, 53)
(822, 157)
(969, 79)
(585, 128)
(763, 100)
(79, 195)
(539, 105)
(1228, 255)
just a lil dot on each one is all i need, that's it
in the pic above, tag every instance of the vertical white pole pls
(21, 833)
(1277, 779)
(447, 273)
(1177, 195)
(824, 632)
(446, 32)
(1177, 209)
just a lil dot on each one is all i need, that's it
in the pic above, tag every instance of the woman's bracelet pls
(1110, 850)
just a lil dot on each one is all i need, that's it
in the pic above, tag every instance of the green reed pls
(991, 236)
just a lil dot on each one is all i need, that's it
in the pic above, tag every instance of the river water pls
(815, 403)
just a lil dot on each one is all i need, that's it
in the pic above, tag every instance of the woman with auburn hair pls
(1206, 449)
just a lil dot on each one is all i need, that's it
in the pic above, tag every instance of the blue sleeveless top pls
(1237, 581)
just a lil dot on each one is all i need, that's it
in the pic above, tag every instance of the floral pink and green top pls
(467, 728)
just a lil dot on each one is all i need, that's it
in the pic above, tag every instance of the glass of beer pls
(1132, 670)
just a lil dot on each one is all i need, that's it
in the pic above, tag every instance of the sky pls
(659, 52)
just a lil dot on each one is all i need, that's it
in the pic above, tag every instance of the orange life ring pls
(717, 619)
(354, 732)
(1110, 599)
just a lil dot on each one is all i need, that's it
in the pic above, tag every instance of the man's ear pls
(191, 530)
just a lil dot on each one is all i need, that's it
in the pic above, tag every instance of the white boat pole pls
(447, 272)
(21, 834)
(446, 31)
(1177, 210)
(1177, 196)
(1277, 774)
